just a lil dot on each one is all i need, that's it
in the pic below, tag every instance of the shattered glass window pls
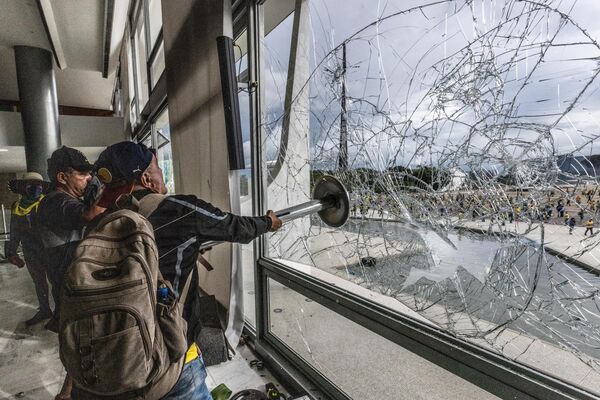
(466, 134)
(365, 366)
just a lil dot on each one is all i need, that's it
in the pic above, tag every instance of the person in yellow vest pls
(589, 226)
(567, 218)
(31, 188)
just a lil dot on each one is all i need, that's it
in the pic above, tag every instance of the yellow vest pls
(192, 353)
(22, 211)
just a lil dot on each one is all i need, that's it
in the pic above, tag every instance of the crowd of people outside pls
(566, 206)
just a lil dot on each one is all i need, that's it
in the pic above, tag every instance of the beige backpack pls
(120, 336)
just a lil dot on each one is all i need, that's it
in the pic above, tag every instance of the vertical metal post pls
(3, 220)
(39, 105)
(255, 37)
(343, 157)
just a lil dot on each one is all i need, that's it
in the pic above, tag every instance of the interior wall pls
(77, 131)
(126, 86)
(7, 198)
(196, 116)
(89, 134)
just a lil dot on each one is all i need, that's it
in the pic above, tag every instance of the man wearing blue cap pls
(181, 224)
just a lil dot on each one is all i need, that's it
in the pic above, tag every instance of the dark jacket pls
(183, 222)
(60, 223)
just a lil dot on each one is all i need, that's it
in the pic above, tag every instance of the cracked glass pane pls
(466, 134)
(364, 365)
(243, 183)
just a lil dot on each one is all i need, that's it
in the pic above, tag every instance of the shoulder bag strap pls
(149, 203)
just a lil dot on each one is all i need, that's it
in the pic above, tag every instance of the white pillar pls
(289, 181)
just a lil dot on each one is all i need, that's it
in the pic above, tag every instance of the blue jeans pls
(192, 383)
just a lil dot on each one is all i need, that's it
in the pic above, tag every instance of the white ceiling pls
(20, 23)
(13, 160)
(276, 11)
(80, 26)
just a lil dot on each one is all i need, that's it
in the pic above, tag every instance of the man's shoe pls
(38, 317)
(52, 325)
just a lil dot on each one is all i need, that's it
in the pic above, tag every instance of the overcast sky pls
(438, 70)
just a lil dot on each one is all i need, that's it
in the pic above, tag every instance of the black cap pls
(67, 157)
(124, 161)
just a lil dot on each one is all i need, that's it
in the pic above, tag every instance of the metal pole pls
(343, 157)
(259, 176)
(39, 105)
(289, 214)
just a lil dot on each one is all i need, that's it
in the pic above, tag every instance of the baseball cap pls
(123, 161)
(67, 157)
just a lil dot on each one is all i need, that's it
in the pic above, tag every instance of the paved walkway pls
(580, 250)
(333, 249)
(575, 248)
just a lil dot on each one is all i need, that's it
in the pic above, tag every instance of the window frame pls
(489, 370)
(140, 9)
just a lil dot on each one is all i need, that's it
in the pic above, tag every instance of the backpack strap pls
(149, 203)
(186, 288)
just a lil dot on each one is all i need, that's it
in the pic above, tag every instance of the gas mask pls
(33, 191)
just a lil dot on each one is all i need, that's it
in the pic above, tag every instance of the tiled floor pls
(29, 364)
(237, 374)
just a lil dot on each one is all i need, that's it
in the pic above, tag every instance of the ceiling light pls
(3, 150)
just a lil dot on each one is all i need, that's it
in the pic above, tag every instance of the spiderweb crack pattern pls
(468, 124)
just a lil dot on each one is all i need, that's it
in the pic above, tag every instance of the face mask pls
(33, 191)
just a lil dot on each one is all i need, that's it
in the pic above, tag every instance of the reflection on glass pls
(140, 64)
(158, 64)
(466, 133)
(245, 177)
(146, 139)
(131, 84)
(164, 154)
(361, 363)
(155, 20)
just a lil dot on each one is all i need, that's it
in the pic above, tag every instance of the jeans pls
(37, 270)
(191, 384)
(56, 278)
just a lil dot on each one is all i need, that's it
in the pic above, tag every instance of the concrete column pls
(39, 105)
(197, 119)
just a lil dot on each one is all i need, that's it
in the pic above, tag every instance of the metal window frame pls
(491, 371)
(155, 116)
(140, 9)
(152, 59)
(133, 20)
(151, 48)
(254, 34)
(141, 133)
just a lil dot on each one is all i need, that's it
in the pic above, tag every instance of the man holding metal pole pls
(120, 260)
(181, 224)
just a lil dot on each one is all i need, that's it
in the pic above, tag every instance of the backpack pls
(122, 335)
